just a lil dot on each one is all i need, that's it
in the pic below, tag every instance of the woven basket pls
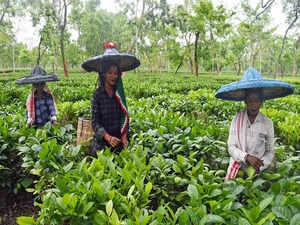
(84, 131)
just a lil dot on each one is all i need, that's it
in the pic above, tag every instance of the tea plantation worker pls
(251, 136)
(110, 119)
(40, 104)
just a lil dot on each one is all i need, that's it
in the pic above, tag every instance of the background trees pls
(194, 36)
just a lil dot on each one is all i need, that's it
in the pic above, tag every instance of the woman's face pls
(253, 103)
(111, 76)
(39, 86)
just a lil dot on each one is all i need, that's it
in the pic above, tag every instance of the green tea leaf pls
(276, 188)
(282, 212)
(130, 191)
(87, 207)
(237, 190)
(68, 167)
(36, 171)
(114, 218)
(255, 212)
(180, 159)
(215, 192)
(44, 152)
(295, 220)
(109, 207)
(184, 219)
(26, 182)
(269, 218)
(193, 192)
(251, 172)
(243, 221)
(265, 203)
(148, 188)
(210, 218)
(258, 183)
(25, 220)
(271, 176)
(100, 218)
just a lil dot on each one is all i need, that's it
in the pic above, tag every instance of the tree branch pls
(285, 35)
(265, 7)
(4, 11)
(39, 51)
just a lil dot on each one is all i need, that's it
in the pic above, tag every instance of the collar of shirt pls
(258, 119)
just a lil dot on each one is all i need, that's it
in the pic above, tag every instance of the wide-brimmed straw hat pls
(251, 79)
(38, 75)
(111, 55)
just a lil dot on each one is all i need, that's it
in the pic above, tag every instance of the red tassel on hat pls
(110, 45)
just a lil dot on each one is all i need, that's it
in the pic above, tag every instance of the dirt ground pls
(13, 206)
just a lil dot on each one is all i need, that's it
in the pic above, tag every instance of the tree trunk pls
(275, 70)
(138, 28)
(239, 67)
(62, 49)
(191, 65)
(62, 41)
(14, 63)
(2, 17)
(295, 68)
(196, 53)
(56, 60)
(252, 59)
(180, 64)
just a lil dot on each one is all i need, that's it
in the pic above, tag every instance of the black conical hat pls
(124, 61)
(38, 75)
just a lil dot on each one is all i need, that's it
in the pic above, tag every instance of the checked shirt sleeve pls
(51, 108)
(96, 118)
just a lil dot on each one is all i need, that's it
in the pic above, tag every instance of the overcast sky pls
(30, 36)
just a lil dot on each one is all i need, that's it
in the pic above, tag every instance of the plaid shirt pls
(106, 117)
(44, 109)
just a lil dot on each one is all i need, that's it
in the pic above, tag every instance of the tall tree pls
(292, 10)
(96, 26)
(208, 23)
(142, 10)
(255, 30)
(59, 10)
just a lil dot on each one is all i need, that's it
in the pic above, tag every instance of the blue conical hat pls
(252, 79)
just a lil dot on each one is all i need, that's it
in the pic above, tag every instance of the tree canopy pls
(196, 36)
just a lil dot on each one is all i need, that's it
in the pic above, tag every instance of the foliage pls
(173, 171)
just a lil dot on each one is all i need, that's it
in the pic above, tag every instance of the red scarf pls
(240, 127)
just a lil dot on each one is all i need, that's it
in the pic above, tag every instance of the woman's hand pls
(255, 162)
(112, 141)
(125, 140)
(54, 123)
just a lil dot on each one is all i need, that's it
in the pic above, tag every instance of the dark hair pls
(39, 83)
(257, 91)
(105, 68)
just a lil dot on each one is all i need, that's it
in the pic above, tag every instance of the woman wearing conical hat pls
(110, 119)
(40, 104)
(251, 137)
